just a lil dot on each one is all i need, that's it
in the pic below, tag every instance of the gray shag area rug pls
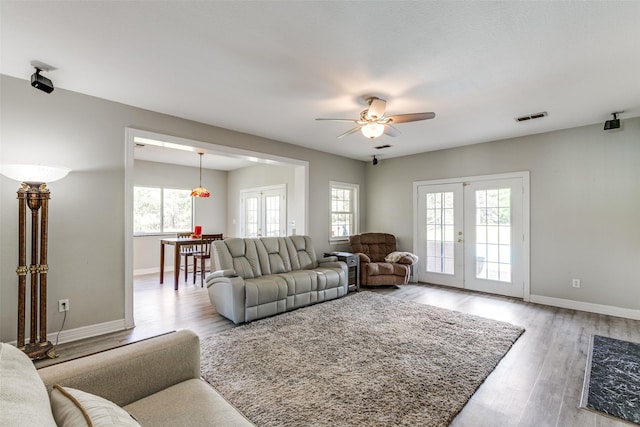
(362, 360)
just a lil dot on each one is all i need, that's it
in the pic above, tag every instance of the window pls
(161, 210)
(344, 210)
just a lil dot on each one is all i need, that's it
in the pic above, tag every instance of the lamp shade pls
(34, 173)
(200, 192)
(372, 130)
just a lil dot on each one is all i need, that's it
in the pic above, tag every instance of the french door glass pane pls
(251, 215)
(493, 234)
(272, 215)
(440, 233)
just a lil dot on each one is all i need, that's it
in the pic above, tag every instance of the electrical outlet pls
(63, 305)
(575, 283)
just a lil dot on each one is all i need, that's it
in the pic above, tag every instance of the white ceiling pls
(270, 68)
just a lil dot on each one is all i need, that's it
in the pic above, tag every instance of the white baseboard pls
(83, 332)
(152, 270)
(88, 331)
(608, 310)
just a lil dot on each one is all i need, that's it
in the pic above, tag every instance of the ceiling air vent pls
(380, 147)
(531, 116)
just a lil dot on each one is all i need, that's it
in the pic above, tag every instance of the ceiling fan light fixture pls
(372, 130)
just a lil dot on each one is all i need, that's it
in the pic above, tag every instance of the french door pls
(472, 233)
(264, 211)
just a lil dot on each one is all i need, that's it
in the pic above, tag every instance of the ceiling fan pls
(373, 123)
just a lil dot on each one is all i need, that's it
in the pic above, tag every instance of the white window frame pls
(162, 231)
(355, 193)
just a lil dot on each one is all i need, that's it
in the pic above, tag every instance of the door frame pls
(526, 212)
(301, 208)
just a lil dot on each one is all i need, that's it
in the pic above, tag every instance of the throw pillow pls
(72, 407)
(23, 397)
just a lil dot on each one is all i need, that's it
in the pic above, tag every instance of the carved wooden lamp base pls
(41, 350)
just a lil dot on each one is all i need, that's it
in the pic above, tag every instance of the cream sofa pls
(155, 380)
(264, 276)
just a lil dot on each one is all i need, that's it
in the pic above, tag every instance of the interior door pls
(471, 234)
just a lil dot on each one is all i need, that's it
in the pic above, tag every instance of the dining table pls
(177, 242)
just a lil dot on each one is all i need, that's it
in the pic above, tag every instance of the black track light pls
(41, 82)
(375, 160)
(614, 123)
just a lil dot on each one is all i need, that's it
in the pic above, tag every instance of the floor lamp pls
(33, 193)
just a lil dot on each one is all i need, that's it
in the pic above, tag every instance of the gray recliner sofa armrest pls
(129, 373)
(227, 294)
(222, 273)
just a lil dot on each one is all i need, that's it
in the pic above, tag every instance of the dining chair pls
(213, 236)
(187, 251)
(202, 255)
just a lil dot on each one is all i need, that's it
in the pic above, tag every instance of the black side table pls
(353, 263)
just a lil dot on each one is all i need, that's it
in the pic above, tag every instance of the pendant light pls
(200, 191)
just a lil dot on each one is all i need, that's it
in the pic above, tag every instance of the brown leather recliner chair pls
(372, 249)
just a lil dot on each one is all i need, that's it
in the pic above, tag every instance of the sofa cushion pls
(302, 288)
(239, 254)
(264, 296)
(386, 268)
(192, 403)
(76, 408)
(273, 255)
(24, 398)
(301, 252)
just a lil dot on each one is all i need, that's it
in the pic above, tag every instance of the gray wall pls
(87, 207)
(255, 177)
(585, 205)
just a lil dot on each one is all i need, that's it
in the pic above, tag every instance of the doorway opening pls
(299, 203)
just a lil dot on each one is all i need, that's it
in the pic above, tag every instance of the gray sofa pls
(264, 276)
(155, 380)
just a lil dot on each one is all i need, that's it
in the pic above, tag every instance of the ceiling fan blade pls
(414, 117)
(340, 120)
(349, 132)
(376, 108)
(391, 130)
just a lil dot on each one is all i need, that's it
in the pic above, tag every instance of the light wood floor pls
(538, 383)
